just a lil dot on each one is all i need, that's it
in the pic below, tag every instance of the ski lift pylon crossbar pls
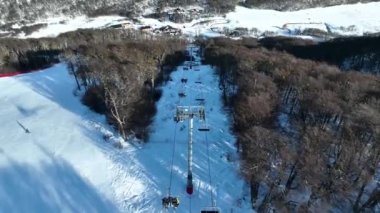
(184, 112)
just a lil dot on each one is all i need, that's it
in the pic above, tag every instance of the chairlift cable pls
(173, 150)
(190, 204)
(209, 170)
(208, 157)
(172, 161)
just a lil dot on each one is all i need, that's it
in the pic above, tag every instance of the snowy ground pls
(64, 164)
(61, 165)
(60, 25)
(226, 185)
(355, 19)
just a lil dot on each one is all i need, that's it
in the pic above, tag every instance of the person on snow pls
(166, 202)
(175, 202)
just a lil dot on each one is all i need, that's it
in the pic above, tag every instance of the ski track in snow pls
(64, 164)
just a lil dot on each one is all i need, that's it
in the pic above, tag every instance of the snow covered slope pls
(228, 190)
(60, 165)
(60, 25)
(64, 164)
(355, 19)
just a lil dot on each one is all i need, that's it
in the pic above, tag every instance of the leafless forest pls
(303, 127)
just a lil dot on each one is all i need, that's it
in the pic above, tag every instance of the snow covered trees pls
(303, 128)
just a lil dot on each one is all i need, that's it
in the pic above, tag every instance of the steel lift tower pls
(183, 113)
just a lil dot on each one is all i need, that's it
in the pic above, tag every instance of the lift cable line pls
(209, 170)
(172, 160)
(170, 201)
(181, 92)
(212, 208)
(208, 158)
(190, 112)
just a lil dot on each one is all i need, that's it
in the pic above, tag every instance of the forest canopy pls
(302, 126)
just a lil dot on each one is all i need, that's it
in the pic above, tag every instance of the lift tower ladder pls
(183, 113)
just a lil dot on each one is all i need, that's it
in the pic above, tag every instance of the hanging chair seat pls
(204, 129)
(181, 94)
(211, 210)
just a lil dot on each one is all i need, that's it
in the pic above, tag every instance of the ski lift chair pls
(211, 210)
(174, 201)
(181, 94)
(199, 80)
(183, 80)
(204, 128)
(202, 114)
(200, 100)
(166, 202)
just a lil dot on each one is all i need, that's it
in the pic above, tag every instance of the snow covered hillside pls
(355, 19)
(53, 155)
(61, 165)
(60, 25)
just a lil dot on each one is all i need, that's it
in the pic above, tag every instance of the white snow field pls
(59, 25)
(354, 19)
(65, 165)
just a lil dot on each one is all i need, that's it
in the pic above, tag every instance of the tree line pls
(26, 54)
(121, 78)
(358, 53)
(118, 70)
(303, 127)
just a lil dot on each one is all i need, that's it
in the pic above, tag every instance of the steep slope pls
(222, 186)
(60, 164)
(65, 163)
